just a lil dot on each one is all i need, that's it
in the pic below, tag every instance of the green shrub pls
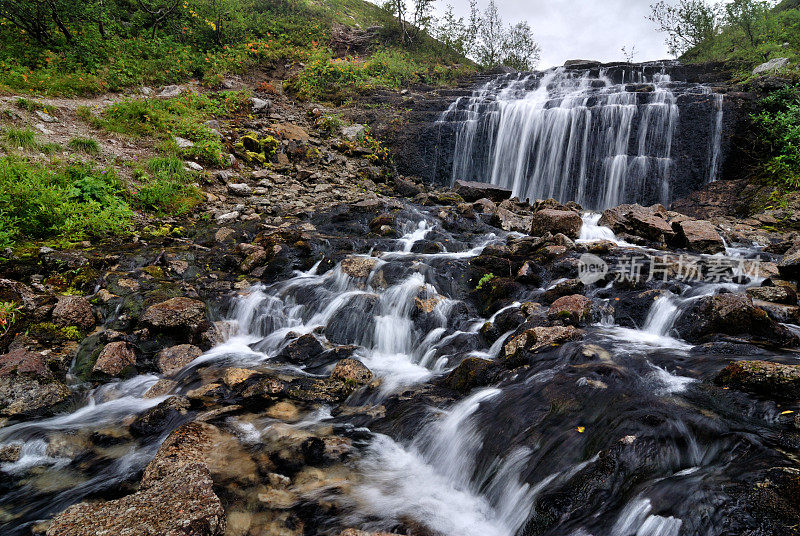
(84, 145)
(778, 125)
(167, 188)
(20, 137)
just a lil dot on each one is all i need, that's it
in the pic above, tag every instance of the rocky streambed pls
(419, 361)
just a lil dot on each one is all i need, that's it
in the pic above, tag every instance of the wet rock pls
(789, 267)
(538, 339)
(160, 388)
(175, 314)
(632, 308)
(240, 189)
(235, 376)
(772, 66)
(406, 187)
(27, 386)
(10, 453)
(575, 309)
(773, 380)
(115, 359)
(776, 294)
(283, 411)
(734, 315)
(785, 314)
(161, 417)
(74, 311)
(473, 191)
(171, 360)
(698, 235)
(302, 349)
(471, 373)
(564, 288)
(511, 221)
(349, 324)
(359, 267)
(646, 222)
(555, 221)
(181, 504)
(352, 370)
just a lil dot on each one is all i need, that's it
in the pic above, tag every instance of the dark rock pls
(575, 309)
(789, 267)
(74, 311)
(538, 339)
(302, 349)
(554, 221)
(471, 373)
(772, 380)
(647, 222)
(564, 288)
(777, 294)
(472, 191)
(735, 315)
(161, 417)
(27, 386)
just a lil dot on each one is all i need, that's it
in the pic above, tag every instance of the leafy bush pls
(779, 128)
(166, 188)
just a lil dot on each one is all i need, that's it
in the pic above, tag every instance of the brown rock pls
(471, 373)
(175, 314)
(511, 221)
(74, 311)
(575, 309)
(699, 235)
(647, 222)
(473, 191)
(359, 267)
(115, 358)
(183, 503)
(538, 339)
(171, 360)
(772, 380)
(776, 294)
(555, 221)
(352, 370)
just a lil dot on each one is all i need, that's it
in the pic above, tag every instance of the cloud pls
(583, 29)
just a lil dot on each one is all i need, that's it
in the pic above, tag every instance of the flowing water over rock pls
(601, 137)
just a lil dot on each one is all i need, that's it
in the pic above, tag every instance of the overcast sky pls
(582, 29)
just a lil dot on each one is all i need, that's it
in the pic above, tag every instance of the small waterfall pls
(715, 148)
(576, 135)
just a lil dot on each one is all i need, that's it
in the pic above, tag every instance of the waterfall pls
(577, 135)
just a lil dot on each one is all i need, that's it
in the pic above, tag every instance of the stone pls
(45, 117)
(10, 453)
(353, 132)
(260, 105)
(352, 370)
(473, 191)
(561, 289)
(777, 294)
(575, 309)
(228, 217)
(511, 221)
(194, 166)
(175, 314)
(302, 349)
(22, 395)
(771, 66)
(170, 92)
(773, 380)
(182, 503)
(160, 388)
(406, 187)
(173, 359)
(235, 376)
(733, 315)
(291, 132)
(160, 417)
(649, 223)
(240, 189)
(183, 143)
(472, 372)
(555, 221)
(538, 339)
(699, 235)
(224, 234)
(789, 266)
(359, 267)
(116, 358)
(74, 311)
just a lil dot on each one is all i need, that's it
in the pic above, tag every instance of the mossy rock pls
(49, 332)
(87, 355)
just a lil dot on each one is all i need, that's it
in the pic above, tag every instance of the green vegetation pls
(778, 124)
(484, 281)
(84, 145)
(166, 188)
(20, 137)
(8, 316)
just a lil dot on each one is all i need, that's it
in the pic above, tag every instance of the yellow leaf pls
(581, 429)
(787, 412)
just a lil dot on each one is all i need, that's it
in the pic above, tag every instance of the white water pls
(574, 136)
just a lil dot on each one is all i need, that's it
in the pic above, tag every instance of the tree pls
(420, 13)
(159, 10)
(686, 24)
(520, 49)
(749, 16)
(489, 51)
(456, 33)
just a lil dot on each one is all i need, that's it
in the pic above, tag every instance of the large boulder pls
(353, 371)
(74, 311)
(567, 222)
(575, 309)
(359, 267)
(734, 315)
(777, 294)
(175, 314)
(302, 349)
(772, 66)
(537, 339)
(471, 373)
(772, 380)
(789, 267)
(649, 223)
(28, 387)
(171, 360)
(183, 503)
(473, 191)
(698, 235)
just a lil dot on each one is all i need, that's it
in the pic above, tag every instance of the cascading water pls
(600, 138)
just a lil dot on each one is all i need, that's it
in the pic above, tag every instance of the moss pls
(48, 330)
(154, 271)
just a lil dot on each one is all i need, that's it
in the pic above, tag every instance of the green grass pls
(20, 137)
(166, 188)
(778, 129)
(72, 201)
(84, 145)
